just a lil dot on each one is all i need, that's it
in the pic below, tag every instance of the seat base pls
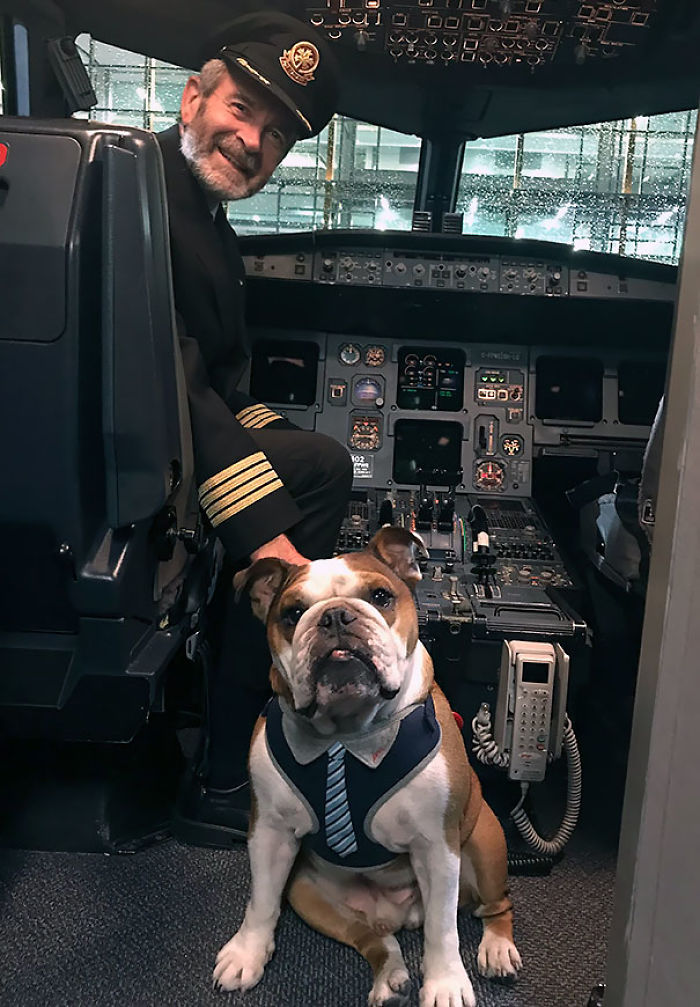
(89, 798)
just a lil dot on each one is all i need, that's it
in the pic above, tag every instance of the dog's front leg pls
(445, 981)
(272, 847)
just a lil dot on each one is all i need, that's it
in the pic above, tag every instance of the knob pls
(328, 265)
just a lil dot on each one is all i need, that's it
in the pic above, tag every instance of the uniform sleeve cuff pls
(247, 504)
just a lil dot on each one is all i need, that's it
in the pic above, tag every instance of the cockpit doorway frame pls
(653, 946)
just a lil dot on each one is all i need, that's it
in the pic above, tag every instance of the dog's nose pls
(336, 619)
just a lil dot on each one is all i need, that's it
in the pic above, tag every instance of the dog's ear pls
(400, 549)
(262, 580)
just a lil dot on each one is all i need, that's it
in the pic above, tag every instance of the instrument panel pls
(467, 416)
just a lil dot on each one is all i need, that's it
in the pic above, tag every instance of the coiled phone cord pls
(489, 753)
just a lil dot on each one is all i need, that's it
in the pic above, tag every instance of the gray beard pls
(194, 153)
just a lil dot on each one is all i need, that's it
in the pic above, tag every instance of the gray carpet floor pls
(85, 930)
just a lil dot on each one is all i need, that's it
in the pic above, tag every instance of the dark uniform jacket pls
(239, 490)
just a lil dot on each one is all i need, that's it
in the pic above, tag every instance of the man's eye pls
(292, 615)
(381, 597)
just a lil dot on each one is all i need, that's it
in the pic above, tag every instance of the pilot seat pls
(106, 569)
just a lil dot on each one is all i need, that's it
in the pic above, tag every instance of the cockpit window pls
(614, 187)
(352, 175)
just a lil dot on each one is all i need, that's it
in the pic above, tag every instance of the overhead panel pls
(527, 34)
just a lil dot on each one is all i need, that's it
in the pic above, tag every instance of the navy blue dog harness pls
(416, 742)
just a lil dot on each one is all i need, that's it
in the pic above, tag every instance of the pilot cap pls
(286, 57)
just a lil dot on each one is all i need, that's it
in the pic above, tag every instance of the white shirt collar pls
(370, 746)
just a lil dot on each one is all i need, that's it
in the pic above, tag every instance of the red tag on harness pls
(459, 719)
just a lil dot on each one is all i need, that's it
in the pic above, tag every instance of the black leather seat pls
(97, 593)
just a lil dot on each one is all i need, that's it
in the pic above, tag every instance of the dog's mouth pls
(346, 675)
(345, 660)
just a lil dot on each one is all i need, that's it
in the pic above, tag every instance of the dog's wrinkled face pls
(342, 631)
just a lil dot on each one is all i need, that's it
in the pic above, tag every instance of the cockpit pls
(480, 278)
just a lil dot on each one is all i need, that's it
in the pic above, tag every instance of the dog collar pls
(370, 746)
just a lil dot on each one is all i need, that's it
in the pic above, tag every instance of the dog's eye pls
(381, 597)
(292, 615)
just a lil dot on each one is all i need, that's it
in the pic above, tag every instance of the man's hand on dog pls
(280, 547)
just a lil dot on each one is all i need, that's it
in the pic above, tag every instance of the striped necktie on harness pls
(340, 836)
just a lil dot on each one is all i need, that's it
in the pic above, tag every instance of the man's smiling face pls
(235, 137)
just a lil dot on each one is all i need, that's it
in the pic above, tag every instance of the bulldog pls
(365, 807)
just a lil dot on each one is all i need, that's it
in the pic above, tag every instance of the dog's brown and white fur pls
(450, 847)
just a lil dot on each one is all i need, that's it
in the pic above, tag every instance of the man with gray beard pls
(266, 487)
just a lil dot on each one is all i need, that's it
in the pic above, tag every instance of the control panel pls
(454, 272)
(488, 33)
(515, 585)
(526, 553)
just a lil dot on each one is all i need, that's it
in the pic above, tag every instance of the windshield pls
(614, 187)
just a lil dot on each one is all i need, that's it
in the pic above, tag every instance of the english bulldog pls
(365, 807)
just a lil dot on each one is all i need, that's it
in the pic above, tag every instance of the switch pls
(337, 392)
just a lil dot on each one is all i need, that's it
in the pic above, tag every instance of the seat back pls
(95, 441)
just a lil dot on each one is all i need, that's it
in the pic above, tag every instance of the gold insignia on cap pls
(300, 61)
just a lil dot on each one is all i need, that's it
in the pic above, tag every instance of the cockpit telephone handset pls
(531, 706)
(530, 729)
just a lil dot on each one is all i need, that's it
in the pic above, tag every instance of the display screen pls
(569, 388)
(284, 371)
(427, 451)
(536, 672)
(639, 390)
(367, 390)
(430, 378)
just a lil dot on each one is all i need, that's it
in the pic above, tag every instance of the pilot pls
(266, 487)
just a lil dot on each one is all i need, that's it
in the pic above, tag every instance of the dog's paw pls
(498, 957)
(452, 989)
(391, 988)
(241, 962)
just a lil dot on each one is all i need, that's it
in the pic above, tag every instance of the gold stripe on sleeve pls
(231, 471)
(249, 411)
(248, 501)
(262, 421)
(240, 493)
(228, 487)
(251, 415)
